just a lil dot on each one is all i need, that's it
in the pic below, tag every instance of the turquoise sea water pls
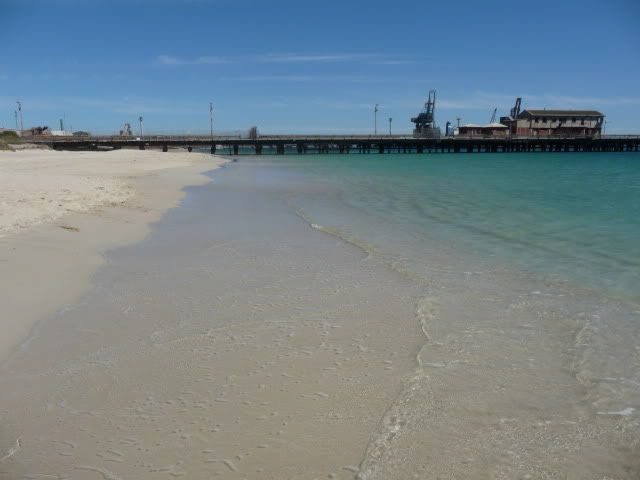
(571, 217)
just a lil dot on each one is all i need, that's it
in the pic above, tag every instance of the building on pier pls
(494, 130)
(555, 123)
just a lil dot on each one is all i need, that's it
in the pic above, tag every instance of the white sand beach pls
(59, 211)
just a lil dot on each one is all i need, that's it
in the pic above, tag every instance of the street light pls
(211, 119)
(20, 115)
(140, 119)
(375, 120)
(390, 120)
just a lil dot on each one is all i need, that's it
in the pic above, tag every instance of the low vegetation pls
(10, 137)
(7, 139)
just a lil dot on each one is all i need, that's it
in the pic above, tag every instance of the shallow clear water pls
(502, 245)
(571, 216)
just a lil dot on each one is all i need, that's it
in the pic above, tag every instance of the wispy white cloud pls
(134, 105)
(317, 104)
(551, 101)
(127, 105)
(314, 78)
(480, 100)
(482, 103)
(271, 78)
(396, 61)
(203, 60)
(294, 58)
(370, 58)
(303, 58)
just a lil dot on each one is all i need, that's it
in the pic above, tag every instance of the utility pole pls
(211, 119)
(20, 115)
(141, 120)
(15, 114)
(390, 120)
(375, 120)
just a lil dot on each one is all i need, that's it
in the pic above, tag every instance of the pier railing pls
(226, 138)
(281, 144)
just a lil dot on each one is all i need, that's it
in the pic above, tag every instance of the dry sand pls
(59, 211)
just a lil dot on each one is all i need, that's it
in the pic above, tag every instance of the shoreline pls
(97, 208)
(207, 351)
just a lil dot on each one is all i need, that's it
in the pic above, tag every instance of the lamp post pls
(211, 119)
(375, 120)
(390, 120)
(141, 120)
(20, 115)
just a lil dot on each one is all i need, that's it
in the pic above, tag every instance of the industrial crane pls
(493, 115)
(125, 131)
(425, 121)
(515, 111)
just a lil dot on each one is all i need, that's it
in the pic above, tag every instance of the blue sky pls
(296, 66)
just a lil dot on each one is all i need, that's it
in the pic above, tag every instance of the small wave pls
(414, 399)
(12, 451)
(106, 474)
(605, 363)
(626, 412)
(367, 248)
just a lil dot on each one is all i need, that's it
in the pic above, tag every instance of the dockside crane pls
(125, 131)
(493, 115)
(425, 121)
(515, 111)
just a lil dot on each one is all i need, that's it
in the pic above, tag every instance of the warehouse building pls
(555, 123)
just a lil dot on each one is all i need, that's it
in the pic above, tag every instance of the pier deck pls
(350, 144)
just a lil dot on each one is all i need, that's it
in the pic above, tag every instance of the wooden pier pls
(295, 144)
